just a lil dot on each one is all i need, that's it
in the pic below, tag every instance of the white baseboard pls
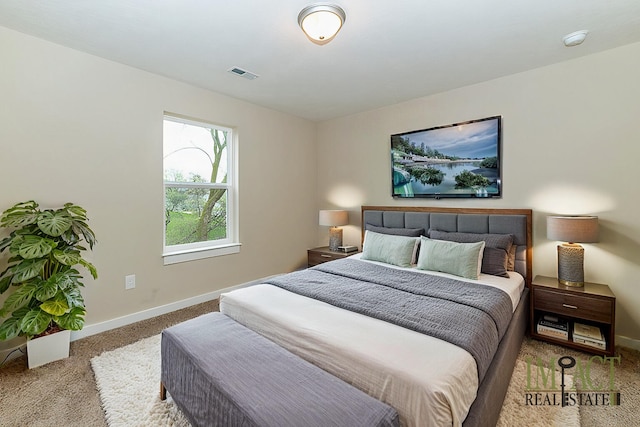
(627, 342)
(97, 328)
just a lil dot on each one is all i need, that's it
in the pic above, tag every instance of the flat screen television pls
(458, 160)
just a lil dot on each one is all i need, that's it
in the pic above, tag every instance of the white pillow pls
(460, 259)
(389, 248)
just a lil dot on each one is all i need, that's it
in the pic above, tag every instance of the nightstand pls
(323, 254)
(594, 304)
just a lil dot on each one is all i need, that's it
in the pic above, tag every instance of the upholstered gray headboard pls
(467, 220)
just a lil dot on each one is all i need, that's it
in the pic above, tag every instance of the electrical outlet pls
(130, 281)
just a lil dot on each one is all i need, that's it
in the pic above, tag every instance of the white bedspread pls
(428, 381)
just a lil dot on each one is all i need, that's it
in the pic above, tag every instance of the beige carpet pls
(516, 412)
(626, 379)
(64, 393)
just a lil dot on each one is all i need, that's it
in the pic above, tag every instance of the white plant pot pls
(50, 348)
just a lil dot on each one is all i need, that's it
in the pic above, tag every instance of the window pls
(199, 190)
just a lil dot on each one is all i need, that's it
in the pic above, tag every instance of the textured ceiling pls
(387, 51)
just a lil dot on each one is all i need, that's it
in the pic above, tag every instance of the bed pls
(433, 371)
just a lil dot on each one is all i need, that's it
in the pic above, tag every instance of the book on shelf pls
(588, 335)
(552, 332)
(561, 326)
(591, 343)
(553, 326)
(587, 331)
(555, 322)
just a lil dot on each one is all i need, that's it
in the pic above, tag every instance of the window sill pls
(195, 254)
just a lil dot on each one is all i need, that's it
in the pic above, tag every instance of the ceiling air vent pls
(243, 73)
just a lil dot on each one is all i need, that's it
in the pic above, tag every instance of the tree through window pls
(198, 185)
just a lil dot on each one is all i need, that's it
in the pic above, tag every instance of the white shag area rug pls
(128, 380)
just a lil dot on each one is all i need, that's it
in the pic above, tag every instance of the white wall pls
(74, 127)
(78, 128)
(570, 146)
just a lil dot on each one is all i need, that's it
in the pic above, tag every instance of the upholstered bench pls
(220, 373)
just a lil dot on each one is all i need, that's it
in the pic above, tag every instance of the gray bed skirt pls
(485, 410)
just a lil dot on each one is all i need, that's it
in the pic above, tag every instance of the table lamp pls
(334, 219)
(574, 230)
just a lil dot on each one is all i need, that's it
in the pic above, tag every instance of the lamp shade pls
(334, 218)
(574, 229)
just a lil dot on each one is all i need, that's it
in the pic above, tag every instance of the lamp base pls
(571, 265)
(335, 238)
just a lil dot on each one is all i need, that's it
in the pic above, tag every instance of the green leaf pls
(14, 247)
(35, 322)
(4, 284)
(8, 272)
(20, 298)
(80, 227)
(10, 328)
(68, 278)
(4, 243)
(31, 247)
(20, 215)
(74, 298)
(70, 238)
(47, 289)
(27, 230)
(56, 306)
(67, 256)
(77, 211)
(90, 267)
(54, 223)
(27, 269)
(74, 320)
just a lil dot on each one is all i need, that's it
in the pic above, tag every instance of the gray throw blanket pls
(469, 315)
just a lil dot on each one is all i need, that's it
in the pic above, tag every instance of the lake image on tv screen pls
(456, 161)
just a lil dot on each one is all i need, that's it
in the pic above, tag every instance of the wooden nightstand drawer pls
(319, 258)
(570, 304)
(319, 255)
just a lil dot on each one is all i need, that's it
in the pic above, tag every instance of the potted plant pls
(44, 250)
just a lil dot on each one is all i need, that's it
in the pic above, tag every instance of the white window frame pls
(211, 248)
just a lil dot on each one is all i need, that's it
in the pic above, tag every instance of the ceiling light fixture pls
(575, 38)
(321, 22)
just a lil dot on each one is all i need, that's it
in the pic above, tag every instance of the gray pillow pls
(496, 252)
(390, 249)
(409, 232)
(460, 259)
(511, 260)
